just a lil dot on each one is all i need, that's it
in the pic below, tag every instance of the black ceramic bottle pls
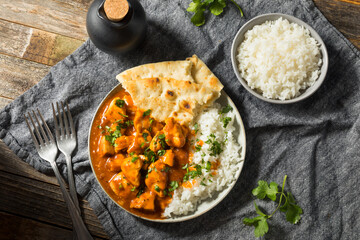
(116, 37)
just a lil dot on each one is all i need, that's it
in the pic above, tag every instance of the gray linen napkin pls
(316, 142)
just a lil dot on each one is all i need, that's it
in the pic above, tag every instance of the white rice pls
(186, 200)
(279, 59)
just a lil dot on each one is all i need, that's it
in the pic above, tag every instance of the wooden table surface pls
(35, 35)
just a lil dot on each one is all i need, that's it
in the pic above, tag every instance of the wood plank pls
(35, 45)
(19, 228)
(62, 17)
(12, 164)
(344, 15)
(41, 201)
(18, 75)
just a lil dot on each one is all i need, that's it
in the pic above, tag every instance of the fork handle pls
(81, 230)
(72, 187)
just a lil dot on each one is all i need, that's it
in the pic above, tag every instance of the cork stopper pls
(116, 10)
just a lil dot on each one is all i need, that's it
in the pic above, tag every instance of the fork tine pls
(56, 122)
(36, 130)
(60, 120)
(32, 134)
(41, 128)
(46, 126)
(65, 120)
(70, 118)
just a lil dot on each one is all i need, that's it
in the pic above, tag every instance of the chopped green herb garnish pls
(215, 146)
(125, 116)
(226, 121)
(99, 127)
(161, 152)
(208, 166)
(145, 135)
(108, 129)
(132, 154)
(196, 127)
(121, 186)
(161, 136)
(157, 188)
(147, 113)
(174, 185)
(197, 148)
(134, 159)
(142, 145)
(133, 189)
(185, 166)
(120, 103)
(202, 183)
(151, 120)
(226, 109)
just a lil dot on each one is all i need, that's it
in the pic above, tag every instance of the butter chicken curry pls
(138, 160)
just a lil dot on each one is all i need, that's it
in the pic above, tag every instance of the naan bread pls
(168, 97)
(180, 70)
(202, 74)
(191, 81)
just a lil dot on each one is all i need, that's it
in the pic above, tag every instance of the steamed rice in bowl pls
(279, 59)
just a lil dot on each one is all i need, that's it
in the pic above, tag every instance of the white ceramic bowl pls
(239, 38)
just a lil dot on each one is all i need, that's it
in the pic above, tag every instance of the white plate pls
(206, 204)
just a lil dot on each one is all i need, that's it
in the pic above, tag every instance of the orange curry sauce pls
(138, 179)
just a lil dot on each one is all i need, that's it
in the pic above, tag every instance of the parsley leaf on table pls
(286, 203)
(216, 7)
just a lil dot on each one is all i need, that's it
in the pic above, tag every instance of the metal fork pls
(66, 143)
(46, 147)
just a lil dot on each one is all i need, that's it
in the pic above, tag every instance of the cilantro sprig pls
(286, 204)
(216, 7)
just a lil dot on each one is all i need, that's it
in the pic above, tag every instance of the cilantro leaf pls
(263, 190)
(272, 191)
(260, 224)
(260, 191)
(286, 203)
(198, 18)
(217, 7)
(292, 210)
(258, 211)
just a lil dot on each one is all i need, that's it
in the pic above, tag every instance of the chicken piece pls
(105, 147)
(145, 163)
(122, 187)
(114, 164)
(141, 121)
(155, 127)
(181, 156)
(131, 168)
(145, 201)
(123, 142)
(168, 158)
(140, 142)
(115, 112)
(157, 142)
(129, 103)
(174, 133)
(157, 177)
